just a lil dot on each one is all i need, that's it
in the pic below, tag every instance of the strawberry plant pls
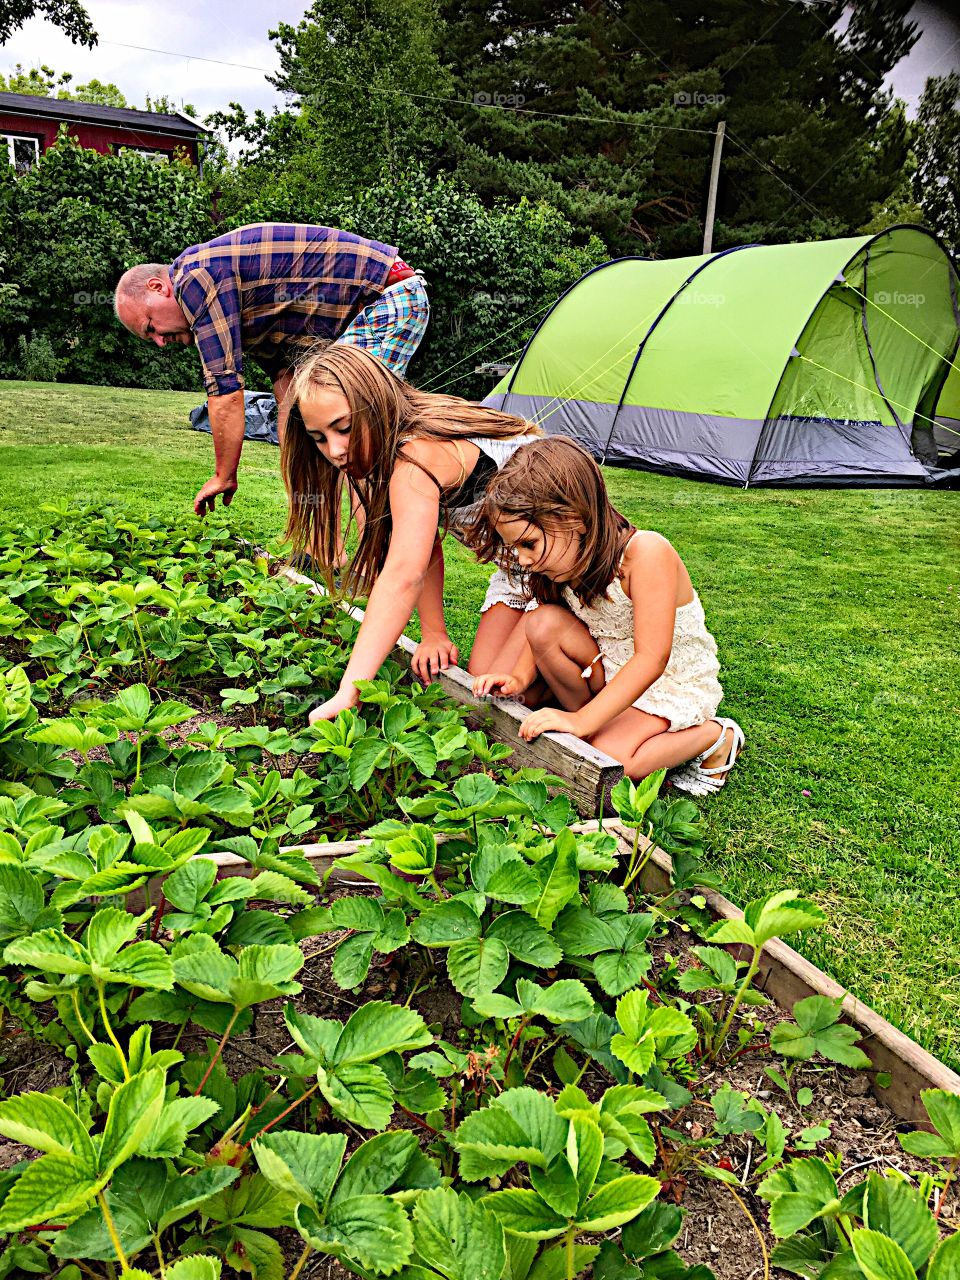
(559, 1037)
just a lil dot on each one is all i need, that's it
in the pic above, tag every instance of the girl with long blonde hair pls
(414, 465)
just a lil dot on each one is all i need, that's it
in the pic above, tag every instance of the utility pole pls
(712, 193)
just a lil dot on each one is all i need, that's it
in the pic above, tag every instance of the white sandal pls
(698, 781)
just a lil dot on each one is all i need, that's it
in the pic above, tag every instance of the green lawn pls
(837, 618)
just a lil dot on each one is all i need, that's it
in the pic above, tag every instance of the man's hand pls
(343, 700)
(435, 652)
(550, 720)
(506, 685)
(206, 498)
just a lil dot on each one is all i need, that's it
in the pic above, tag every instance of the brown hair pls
(385, 412)
(552, 483)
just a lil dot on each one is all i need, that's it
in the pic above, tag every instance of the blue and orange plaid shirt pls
(271, 290)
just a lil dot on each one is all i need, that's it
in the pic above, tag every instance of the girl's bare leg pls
(563, 646)
(498, 641)
(642, 744)
(497, 646)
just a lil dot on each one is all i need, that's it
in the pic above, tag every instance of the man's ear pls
(157, 284)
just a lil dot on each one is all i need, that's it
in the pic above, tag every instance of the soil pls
(716, 1232)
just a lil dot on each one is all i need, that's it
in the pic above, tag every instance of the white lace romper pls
(502, 589)
(688, 692)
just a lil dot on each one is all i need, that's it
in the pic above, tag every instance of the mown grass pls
(837, 618)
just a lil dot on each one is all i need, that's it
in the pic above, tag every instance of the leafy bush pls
(70, 226)
(38, 360)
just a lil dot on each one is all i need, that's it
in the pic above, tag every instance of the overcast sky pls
(174, 37)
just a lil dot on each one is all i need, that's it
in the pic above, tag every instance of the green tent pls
(791, 364)
(947, 430)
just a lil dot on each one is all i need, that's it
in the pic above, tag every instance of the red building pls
(29, 125)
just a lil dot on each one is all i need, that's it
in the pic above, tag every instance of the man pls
(272, 290)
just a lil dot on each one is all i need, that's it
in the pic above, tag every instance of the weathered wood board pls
(787, 977)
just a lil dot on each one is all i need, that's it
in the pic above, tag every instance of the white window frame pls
(160, 155)
(12, 138)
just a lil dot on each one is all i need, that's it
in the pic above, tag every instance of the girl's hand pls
(550, 720)
(435, 652)
(343, 700)
(507, 685)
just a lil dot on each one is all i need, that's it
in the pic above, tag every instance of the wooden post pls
(712, 193)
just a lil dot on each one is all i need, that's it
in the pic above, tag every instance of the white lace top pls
(688, 692)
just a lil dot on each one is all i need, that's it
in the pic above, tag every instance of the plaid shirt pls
(272, 290)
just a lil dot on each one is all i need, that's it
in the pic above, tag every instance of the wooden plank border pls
(786, 976)
(589, 775)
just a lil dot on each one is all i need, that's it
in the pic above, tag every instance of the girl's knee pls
(543, 624)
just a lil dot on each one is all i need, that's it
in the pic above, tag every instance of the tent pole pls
(712, 193)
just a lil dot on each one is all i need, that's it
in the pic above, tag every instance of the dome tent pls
(792, 364)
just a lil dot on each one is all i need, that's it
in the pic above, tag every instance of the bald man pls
(272, 290)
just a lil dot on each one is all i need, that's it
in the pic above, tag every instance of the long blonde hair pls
(385, 412)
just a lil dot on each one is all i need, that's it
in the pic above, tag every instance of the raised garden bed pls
(498, 1045)
(784, 974)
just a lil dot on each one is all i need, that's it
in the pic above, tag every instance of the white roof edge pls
(183, 115)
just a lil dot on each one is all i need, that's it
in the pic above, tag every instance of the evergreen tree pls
(814, 142)
(937, 179)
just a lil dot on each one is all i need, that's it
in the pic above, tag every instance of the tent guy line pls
(877, 394)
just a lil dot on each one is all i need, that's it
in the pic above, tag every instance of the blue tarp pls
(260, 411)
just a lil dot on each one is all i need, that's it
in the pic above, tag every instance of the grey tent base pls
(731, 450)
(260, 414)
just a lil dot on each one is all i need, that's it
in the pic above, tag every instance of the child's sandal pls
(694, 779)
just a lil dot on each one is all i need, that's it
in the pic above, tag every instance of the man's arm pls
(227, 424)
(212, 308)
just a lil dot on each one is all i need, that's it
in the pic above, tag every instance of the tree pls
(166, 106)
(368, 86)
(44, 82)
(40, 82)
(937, 178)
(814, 142)
(69, 15)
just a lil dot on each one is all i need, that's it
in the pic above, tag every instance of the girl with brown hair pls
(615, 628)
(412, 463)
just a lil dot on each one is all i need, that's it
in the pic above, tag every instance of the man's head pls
(146, 304)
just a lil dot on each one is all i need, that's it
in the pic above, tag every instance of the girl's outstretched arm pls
(415, 509)
(436, 650)
(650, 569)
